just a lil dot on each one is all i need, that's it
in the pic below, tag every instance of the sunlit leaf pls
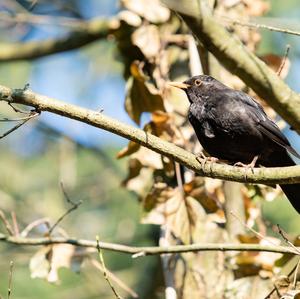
(47, 261)
(152, 10)
(141, 96)
(147, 38)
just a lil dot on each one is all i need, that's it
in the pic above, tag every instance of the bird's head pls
(199, 88)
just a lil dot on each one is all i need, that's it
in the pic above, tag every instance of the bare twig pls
(16, 119)
(13, 129)
(6, 223)
(88, 32)
(114, 278)
(287, 50)
(44, 20)
(18, 110)
(26, 119)
(256, 233)
(34, 224)
(296, 274)
(104, 269)
(260, 26)
(71, 209)
(15, 223)
(152, 250)
(9, 290)
(285, 238)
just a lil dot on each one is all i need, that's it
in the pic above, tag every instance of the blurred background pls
(51, 149)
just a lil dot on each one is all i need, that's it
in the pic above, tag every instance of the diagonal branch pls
(282, 175)
(231, 52)
(87, 33)
(142, 251)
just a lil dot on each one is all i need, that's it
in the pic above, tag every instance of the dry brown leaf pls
(249, 239)
(159, 193)
(170, 207)
(130, 18)
(141, 96)
(248, 288)
(162, 125)
(134, 168)
(142, 165)
(147, 39)
(131, 148)
(152, 10)
(256, 7)
(196, 189)
(47, 261)
(141, 183)
(251, 263)
(275, 61)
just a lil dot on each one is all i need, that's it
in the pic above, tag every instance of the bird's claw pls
(202, 159)
(250, 166)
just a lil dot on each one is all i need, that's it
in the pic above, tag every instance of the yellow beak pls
(179, 85)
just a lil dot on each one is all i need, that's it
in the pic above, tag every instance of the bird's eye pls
(198, 82)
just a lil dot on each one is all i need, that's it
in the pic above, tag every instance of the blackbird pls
(232, 126)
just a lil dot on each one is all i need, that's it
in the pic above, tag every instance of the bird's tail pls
(292, 192)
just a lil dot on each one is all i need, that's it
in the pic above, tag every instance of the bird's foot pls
(203, 159)
(250, 166)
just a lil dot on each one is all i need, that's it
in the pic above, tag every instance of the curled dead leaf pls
(47, 261)
(147, 39)
(131, 148)
(130, 18)
(169, 206)
(152, 10)
(196, 189)
(141, 95)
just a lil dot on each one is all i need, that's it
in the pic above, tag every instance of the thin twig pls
(13, 129)
(71, 209)
(34, 224)
(92, 30)
(9, 290)
(104, 269)
(6, 223)
(256, 233)
(114, 278)
(285, 238)
(5, 119)
(34, 114)
(296, 274)
(260, 26)
(287, 50)
(15, 223)
(151, 250)
(18, 110)
(75, 24)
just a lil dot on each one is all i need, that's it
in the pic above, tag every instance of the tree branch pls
(89, 32)
(238, 59)
(276, 175)
(142, 251)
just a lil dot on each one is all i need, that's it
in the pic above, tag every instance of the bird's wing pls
(266, 125)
